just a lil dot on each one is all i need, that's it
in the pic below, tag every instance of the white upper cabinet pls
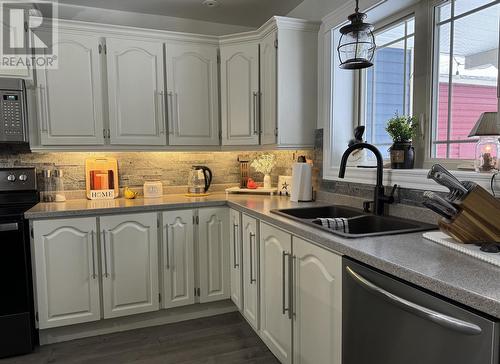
(136, 92)
(129, 264)
(192, 93)
(69, 98)
(287, 97)
(268, 81)
(178, 258)
(240, 93)
(297, 77)
(213, 254)
(66, 270)
(318, 305)
(235, 258)
(158, 90)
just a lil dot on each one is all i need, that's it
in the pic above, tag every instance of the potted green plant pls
(402, 129)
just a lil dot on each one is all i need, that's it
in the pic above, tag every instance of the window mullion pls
(404, 67)
(450, 78)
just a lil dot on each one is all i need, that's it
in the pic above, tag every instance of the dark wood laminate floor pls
(222, 339)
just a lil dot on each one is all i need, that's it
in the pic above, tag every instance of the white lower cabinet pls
(178, 268)
(129, 264)
(213, 254)
(235, 256)
(66, 269)
(317, 308)
(301, 293)
(250, 271)
(276, 288)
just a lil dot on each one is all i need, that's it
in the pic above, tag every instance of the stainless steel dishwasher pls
(387, 321)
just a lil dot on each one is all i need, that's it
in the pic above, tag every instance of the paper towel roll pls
(301, 182)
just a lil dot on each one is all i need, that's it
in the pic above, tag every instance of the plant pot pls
(402, 156)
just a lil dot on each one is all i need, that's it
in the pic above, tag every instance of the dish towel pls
(337, 224)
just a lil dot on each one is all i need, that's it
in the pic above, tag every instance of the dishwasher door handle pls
(413, 308)
(9, 226)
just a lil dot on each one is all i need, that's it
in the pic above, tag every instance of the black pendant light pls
(357, 43)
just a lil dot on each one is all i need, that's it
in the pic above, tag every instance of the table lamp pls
(487, 129)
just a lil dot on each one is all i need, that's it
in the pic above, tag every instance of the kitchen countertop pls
(461, 278)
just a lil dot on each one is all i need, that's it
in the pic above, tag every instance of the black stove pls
(18, 193)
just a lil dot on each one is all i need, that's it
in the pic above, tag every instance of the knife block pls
(478, 219)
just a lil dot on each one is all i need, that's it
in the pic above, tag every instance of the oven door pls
(386, 321)
(16, 314)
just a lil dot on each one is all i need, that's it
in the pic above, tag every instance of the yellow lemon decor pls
(129, 194)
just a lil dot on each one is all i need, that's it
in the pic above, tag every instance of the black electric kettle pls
(200, 178)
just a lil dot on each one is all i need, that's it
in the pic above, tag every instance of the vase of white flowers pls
(265, 164)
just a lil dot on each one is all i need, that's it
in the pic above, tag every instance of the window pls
(465, 76)
(388, 85)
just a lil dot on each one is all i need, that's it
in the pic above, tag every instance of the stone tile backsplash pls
(171, 168)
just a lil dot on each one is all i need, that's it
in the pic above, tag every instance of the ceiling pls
(251, 13)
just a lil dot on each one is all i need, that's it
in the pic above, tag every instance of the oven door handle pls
(9, 226)
(413, 308)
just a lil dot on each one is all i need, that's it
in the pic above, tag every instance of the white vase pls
(267, 181)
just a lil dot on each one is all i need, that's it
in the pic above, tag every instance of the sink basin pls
(361, 224)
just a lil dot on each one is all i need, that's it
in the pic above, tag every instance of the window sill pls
(409, 178)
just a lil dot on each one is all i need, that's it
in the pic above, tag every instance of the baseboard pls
(162, 317)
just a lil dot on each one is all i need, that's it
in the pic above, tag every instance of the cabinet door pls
(66, 269)
(129, 264)
(235, 258)
(240, 94)
(192, 96)
(318, 305)
(69, 98)
(275, 307)
(178, 258)
(268, 82)
(136, 92)
(213, 256)
(251, 271)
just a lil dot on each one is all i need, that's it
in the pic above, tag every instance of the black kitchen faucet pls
(380, 199)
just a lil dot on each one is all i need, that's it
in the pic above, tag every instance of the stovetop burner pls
(18, 191)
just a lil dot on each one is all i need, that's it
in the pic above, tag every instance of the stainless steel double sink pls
(361, 224)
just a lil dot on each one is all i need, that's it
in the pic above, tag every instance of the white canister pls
(153, 189)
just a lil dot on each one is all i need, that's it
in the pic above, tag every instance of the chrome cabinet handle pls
(235, 264)
(252, 279)
(170, 106)
(42, 108)
(255, 111)
(94, 276)
(167, 250)
(283, 273)
(413, 308)
(175, 110)
(161, 95)
(106, 274)
(291, 274)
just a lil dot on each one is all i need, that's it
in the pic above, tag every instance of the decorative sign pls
(284, 185)
(101, 178)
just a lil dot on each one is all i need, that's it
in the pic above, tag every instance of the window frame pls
(360, 76)
(431, 143)
(333, 110)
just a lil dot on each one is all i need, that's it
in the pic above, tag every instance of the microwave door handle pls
(438, 318)
(14, 226)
